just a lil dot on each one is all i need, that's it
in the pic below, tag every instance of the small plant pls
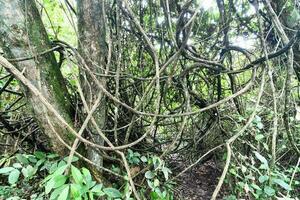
(77, 185)
(261, 181)
(157, 179)
(133, 157)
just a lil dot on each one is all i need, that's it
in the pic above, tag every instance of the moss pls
(17, 27)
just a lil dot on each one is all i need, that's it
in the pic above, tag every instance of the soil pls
(199, 182)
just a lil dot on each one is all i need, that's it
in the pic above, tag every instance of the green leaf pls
(49, 185)
(22, 159)
(149, 175)
(17, 165)
(57, 191)
(150, 184)
(53, 167)
(29, 171)
(255, 186)
(259, 137)
(74, 159)
(262, 179)
(60, 170)
(166, 172)
(40, 162)
(97, 189)
(135, 160)
(269, 191)
(261, 158)
(144, 159)
(61, 163)
(40, 155)
(230, 197)
(156, 182)
(13, 176)
(52, 156)
(75, 191)
(87, 175)
(32, 159)
(259, 125)
(91, 196)
(6, 170)
(282, 184)
(64, 194)
(76, 174)
(112, 192)
(59, 181)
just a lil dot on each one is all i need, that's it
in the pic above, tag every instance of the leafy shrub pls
(48, 176)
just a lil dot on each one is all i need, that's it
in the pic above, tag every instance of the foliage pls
(256, 177)
(179, 78)
(157, 177)
(48, 176)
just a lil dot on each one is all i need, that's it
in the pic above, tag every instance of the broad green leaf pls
(52, 156)
(32, 159)
(76, 174)
(53, 167)
(282, 184)
(112, 192)
(17, 165)
(97, 189)
(91, 196)
(87, 175)
(259, 125)
(255, 186)
(261, 158)
(262, 179)
(6, 170)
(60, 170)
(61, 163)
(149, 175)
(166, 171)
(49, 185)
(25, 172)
(259, 137)
(57, 191)
(40, 162)
(150, 184)
(40, 155)
(64, 194)
(13, 176)
(230, 197)
(22, 159)
(75, 191)
(74, 159)
(59, 181)
(269, 191)
(144, 159)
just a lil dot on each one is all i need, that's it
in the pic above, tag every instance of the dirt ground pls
(199, 182)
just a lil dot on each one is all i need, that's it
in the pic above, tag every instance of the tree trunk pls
(22, 34)
(93, 48)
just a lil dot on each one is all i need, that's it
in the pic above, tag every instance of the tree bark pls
(94, 50)
(22, 34)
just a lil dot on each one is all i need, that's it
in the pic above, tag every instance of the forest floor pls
(199, 182)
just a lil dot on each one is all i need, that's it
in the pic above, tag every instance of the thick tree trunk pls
(93, 49)
(22, 34)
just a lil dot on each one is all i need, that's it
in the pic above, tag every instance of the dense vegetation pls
(119, 99)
